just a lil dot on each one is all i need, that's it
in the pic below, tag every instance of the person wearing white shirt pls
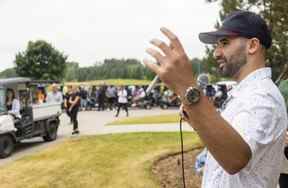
(245, 140)
(122, 100)
(12, 103)
(54, 96)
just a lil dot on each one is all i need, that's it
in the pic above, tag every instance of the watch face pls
(193, 95)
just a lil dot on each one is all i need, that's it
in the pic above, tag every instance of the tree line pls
(108, 69)
(41, 60)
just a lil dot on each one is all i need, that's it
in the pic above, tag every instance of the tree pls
(8, 73)
(108, 69)
(71, 71)
(275, 13)
(284, 90)
(41, 61)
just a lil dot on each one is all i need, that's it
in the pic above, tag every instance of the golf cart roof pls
(17, 80)
(24, 80)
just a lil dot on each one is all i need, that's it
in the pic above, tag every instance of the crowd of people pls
(82, 98)
(105, 97)
(110, 97)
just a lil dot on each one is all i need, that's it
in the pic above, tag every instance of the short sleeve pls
(259, 122)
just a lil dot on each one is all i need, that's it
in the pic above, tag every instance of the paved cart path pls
(93, 123)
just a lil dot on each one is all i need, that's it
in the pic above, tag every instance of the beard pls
(230, 67)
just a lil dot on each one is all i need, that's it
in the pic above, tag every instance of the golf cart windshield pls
(2, 100)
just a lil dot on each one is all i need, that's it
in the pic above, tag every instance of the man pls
(111, 95)
(245, 141)
(54, 96)
(122, 100)
(83, 98)
(101, 98)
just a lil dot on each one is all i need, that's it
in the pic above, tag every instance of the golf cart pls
(35, 120)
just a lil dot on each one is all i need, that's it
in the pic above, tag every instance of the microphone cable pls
(182, 152)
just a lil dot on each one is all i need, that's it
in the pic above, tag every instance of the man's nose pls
(217, 52)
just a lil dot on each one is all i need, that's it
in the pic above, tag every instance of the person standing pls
(122, 100)
(67, 103)
(74, 100)
(84, 97)
(101, 98)
(245, 141)
(55, 96)
(111, 96)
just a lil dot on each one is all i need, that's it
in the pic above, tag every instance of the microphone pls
(152, 85)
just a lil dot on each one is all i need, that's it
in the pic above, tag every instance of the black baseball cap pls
(243, 24)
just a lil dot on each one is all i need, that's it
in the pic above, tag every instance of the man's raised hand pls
(173, 67)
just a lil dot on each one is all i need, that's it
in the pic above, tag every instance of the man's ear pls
(253, 46)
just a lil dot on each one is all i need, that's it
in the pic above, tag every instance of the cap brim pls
(214, 36)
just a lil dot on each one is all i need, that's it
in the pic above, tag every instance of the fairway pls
(119, 160)
(154, 119)
(115, 82)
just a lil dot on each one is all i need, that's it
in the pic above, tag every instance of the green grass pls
(155, 119)
(110, 161)
(111, 82)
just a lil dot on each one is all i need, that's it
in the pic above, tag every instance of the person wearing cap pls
(245, 141)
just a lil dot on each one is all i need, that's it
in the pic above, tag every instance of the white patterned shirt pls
(256, 110)
(122, 96)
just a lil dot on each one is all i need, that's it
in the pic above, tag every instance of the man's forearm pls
(223, 142)
(74, 102)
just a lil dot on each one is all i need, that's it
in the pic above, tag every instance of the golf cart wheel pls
(164, 106)
(51, 133)
(6, 145)
(148, 106)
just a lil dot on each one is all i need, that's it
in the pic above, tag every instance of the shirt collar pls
(256, 75)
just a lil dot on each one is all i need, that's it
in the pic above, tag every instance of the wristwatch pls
(192, 95)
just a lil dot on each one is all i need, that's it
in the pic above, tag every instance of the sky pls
(88, 31)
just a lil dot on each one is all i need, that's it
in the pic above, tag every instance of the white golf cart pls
(37, 120)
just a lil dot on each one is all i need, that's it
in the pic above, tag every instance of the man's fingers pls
(172, 37)
(152, 66)
(155, 54)
(162, 45)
